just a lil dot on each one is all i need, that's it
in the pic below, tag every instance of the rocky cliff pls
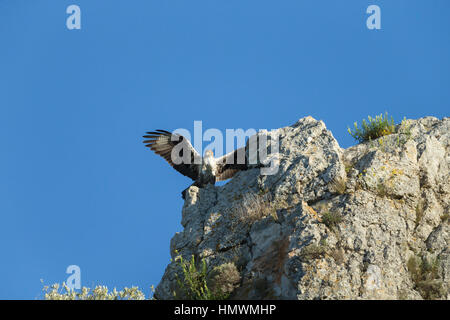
(367, 222)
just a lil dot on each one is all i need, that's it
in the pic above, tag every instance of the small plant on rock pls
(197, 284)
(193, 283)
(223, 279)
(339, 185)
(420, 211)
(313, 251)
(373, 129)
(254, 207)
(425, 275)
(331, 219)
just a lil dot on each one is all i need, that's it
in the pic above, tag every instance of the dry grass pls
(420, 211)
(338, 185)
(338, 255)
(426, 278)
(253, 207)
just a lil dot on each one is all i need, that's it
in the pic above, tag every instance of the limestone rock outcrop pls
(367, 222)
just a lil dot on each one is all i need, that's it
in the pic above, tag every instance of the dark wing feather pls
(229, 164)
(162, 142)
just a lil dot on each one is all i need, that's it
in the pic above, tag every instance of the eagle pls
(187, 161)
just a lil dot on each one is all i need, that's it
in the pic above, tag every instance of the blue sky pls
(77, 186)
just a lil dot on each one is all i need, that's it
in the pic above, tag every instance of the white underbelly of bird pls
(207, 172)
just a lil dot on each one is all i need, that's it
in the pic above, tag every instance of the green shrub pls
(375, 128)
(63, 292)
(196, 284)
(224, 279)
(331, 219)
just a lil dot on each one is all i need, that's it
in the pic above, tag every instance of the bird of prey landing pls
(181, 155)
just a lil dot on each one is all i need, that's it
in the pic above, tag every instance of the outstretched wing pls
(229, 164)
(163, 142)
